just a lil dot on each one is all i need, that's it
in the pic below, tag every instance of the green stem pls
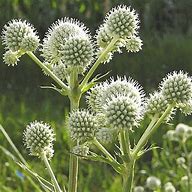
(150, 130)
(128, 177)
(125, 144)
(188, 170)
(98, 61)
(48, 71)
(58, 189)
(75, 95)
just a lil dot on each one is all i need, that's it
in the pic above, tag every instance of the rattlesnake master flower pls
(38, 138)
(153, 183)
(122, 22)
(180, 161)
(169, 187)
(82, 125)
(60, 71)
(105, 135)
(80, 150)
(20, 35)
(177, 87)
(134, 44)
(122, 112)
(139, 189)
(10, 58)
(186, 108)
(77, 51)
(171, 135)
(183, 131)
(57, 37)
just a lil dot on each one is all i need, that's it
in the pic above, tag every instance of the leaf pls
(61, 91)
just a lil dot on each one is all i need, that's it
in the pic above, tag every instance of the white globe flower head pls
(19, 35)
(177, 87)
(139, 189)
(186, 108)
(134, 44)
(153, 183)
(172, 136)
(122, 22)
(169, 187)
(122, 112)
(38, 138)
(11, 58)
(81, 150)
(123, 86)
(82, 125)
(181, 130)
(180, 161)
(60, 71)
(57, 36)
(105, 135)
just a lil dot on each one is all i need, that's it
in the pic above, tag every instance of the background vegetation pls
(166, 30)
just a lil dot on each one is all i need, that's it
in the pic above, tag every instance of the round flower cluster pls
(177, 88)
(120, 101)
(169, 187)
(38, 138)
(69, 42)
(105, 135)
(81, 150)
(82, 125)
(18, 37)
(139, 189)
(153, 183)
(120, 23)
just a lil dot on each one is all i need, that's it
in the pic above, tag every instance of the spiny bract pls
(134, 44)
(38, 138)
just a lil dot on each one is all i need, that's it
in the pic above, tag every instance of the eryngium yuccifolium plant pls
(177, 87)
(122, 112)
(105, 135)
(68, 41)
(20, 36)
(11, 57)
(82, 125)
(122, 22)
(38, 138)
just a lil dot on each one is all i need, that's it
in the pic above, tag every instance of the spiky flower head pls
(81, 150)
(60, 71)
(122, 112)
(139, 189)
(186, 108)
(20, 35)
(123, 86)
(169, 187)
(38, 138)
(180, 161)
(177, 87)
(77, 51)
(105, 135)
(122, 22)
(59, 34)
(153, 183)
(11, 58)
(82, 125)
(134, 44)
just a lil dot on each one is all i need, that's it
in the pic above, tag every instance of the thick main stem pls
(58, 189)
(128, 177)
(75, 95)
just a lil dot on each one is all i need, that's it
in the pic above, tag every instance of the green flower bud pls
(77, 51)
(19, 35)
(139, 189)
(38, 138)
(153, 183)
(169, 187)
(82, 125)
(134, 44)
(122, 22)
(122, 112)
(177, 87)
(80, 150)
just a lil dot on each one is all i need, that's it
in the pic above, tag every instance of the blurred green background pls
(166, 31)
